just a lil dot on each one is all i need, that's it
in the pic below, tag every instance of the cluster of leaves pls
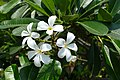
(95, 23)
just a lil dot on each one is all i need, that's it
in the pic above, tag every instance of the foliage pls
(95, 24)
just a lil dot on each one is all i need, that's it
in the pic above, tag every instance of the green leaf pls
(14, 50)
(8, 6)
(85, 3)
(116, 43)
(50, 5)
(115, 34)
(11, 73)
(108, 64)
(112, 64)
(16, 22)
(116, 64)
(114, 6)
(19, 13)
(17, 31)
(68, 18)
(23, 60)
(29, 72)
(104, 15)
(62, 5)
(95, 27)
(116, 19)
(51, 71)
(93, 6)
(2, 2)
(94, 59)
(38, 2)
(36, 7)
(107, 56)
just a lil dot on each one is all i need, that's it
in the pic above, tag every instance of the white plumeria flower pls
(29, 35)
(66, 45)
(39, 53)
(50, 27)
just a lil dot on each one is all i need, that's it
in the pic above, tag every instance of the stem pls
(44, 40)
(82, 59)
(11, 36)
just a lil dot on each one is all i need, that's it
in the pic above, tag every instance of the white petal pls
(24, 33)
(45, 47)
(70, 37)
(35, 35)
(72, 58)
(73, 47)
(61, 52)
(24, 41)
(68, 54)
(32, 44)
(45, 59)
(42, 25)
(49, 32)
(51, 20)
(58, 28)
(31, 54)
(29, 27)
(60, 42)
(37, 61)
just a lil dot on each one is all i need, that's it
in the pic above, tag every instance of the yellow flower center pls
(50, 28)
(39, 51)
(65, 45)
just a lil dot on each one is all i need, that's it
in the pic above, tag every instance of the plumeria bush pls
(60, 40)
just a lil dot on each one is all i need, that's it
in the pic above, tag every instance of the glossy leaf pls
(51, 71)
(11, 73)
(17, 31)
(50, 5)
(114, 6)
(14, 50)
(95, 27)
(92, 7)
(23, 60)
(116, 43)
(107, 56)
(38, 2)
(8, 6)
(115, 34)
(29, 72)
(36, 7)
(111, 66)
(104, 15)
(85, 3)
(19, 13)
(16, 22)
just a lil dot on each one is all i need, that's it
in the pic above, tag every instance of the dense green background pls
(95, 23)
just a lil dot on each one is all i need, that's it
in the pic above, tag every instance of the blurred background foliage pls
(95, 23)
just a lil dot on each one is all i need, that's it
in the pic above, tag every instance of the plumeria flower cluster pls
(38, 53)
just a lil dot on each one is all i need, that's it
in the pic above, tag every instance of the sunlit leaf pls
(8, 6)
(95, 27)
(16, 22)
(19, 13)
(50, 5)
(15, 49)
(36, 7)
(11, 73)
(51, 71)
